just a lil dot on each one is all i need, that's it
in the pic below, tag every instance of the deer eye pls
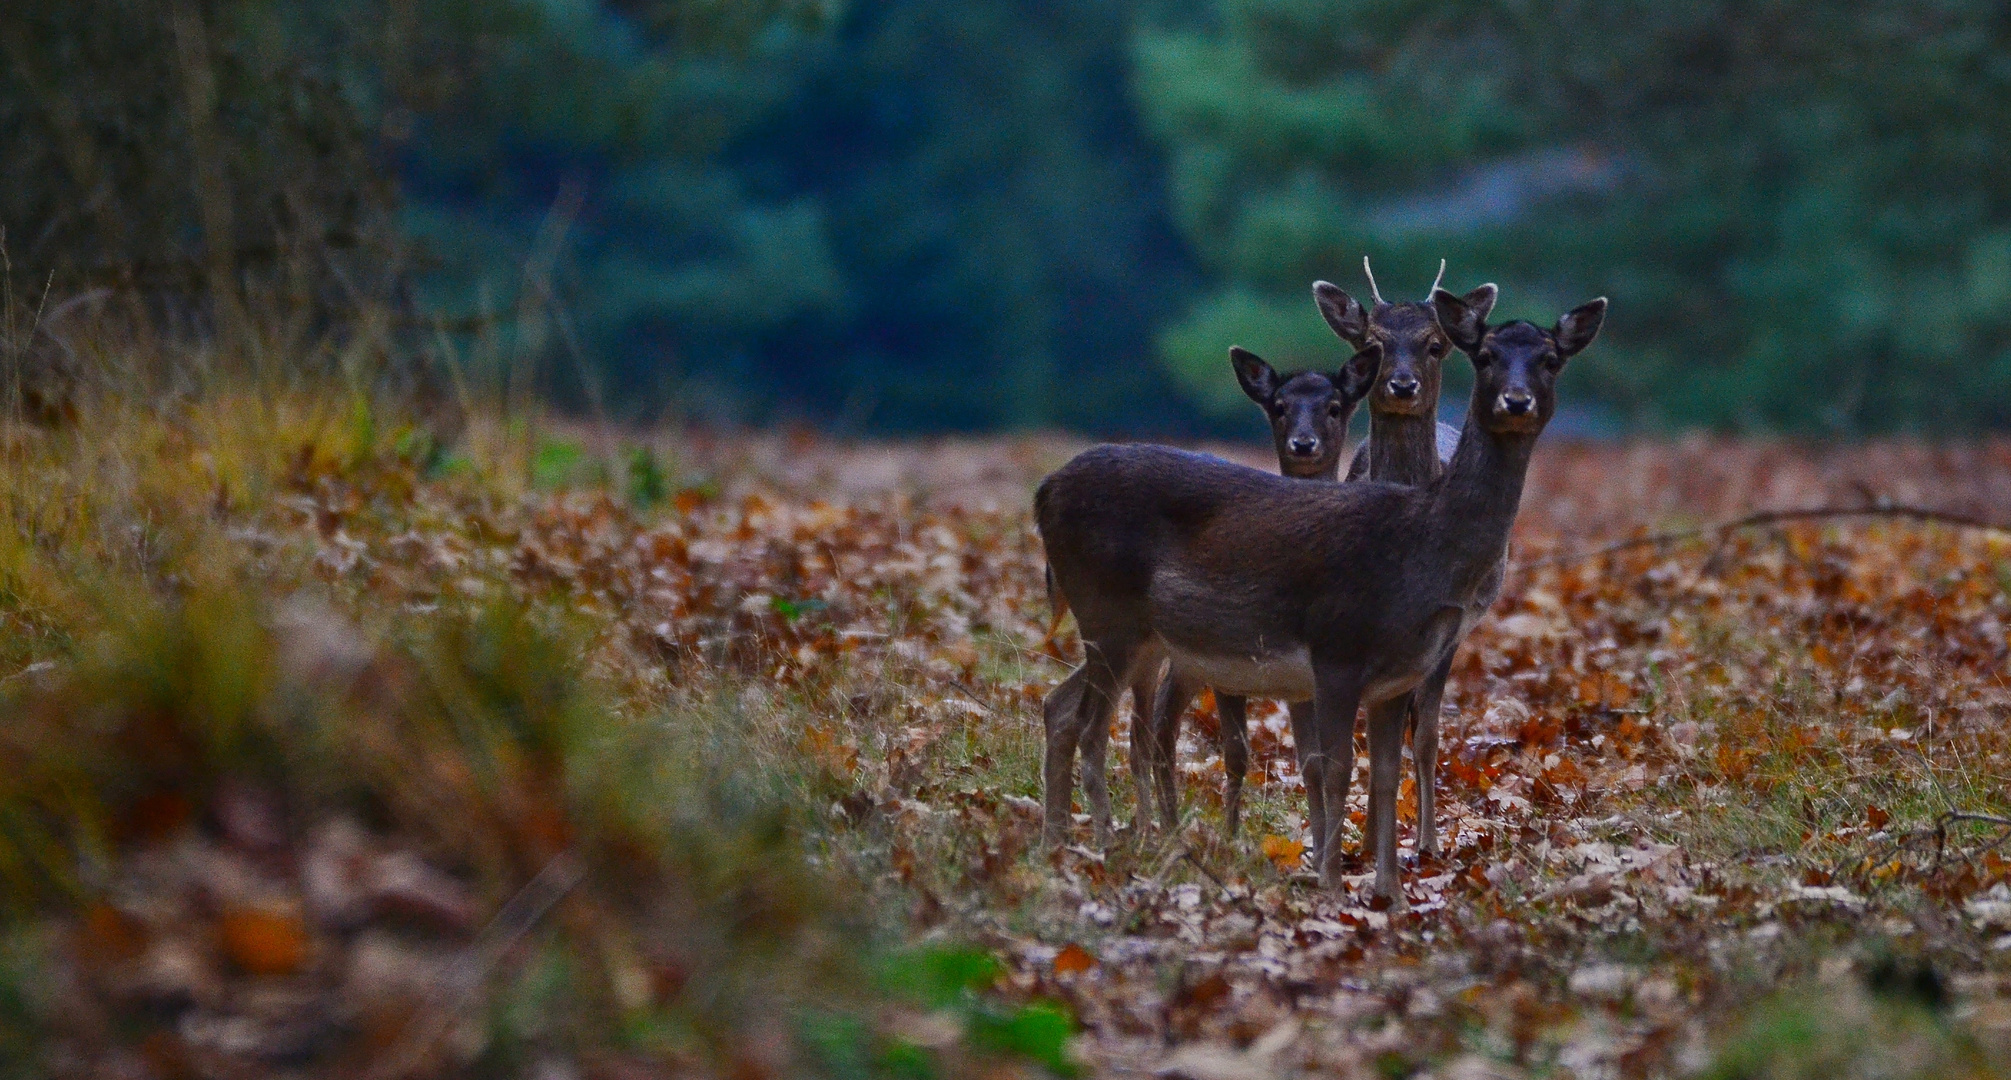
(1334, 410)
(1436, 349)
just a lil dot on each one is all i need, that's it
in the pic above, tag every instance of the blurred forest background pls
(905, 215)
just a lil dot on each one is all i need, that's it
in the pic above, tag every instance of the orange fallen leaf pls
(1876, 817)
(1073, 959)
(690, 499)
(1283, 852)
(264, 942)
(824, 746)
(154, 817)
(109, 936)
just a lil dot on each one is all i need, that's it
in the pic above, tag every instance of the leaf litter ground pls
(1684, 785)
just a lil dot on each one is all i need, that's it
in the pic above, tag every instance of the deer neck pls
(1476, 502)
(1403, 449)
(1331, 473)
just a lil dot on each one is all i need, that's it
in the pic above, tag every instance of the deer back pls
(1220, 558)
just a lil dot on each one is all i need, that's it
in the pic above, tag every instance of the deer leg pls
(1304, 737)
(1083, 732)
(1386, 747)
(1235, 757)
(1424, 754)
(1061, 718)
(1337, 692)
(1410, 728)
(1094, 761)
(1167, 707)
(1106, 690)
(1144, 748)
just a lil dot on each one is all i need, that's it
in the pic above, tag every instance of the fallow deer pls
(1327, 414)
(1403, 412)
(1308, 413)
(1261, 585)
(1407, 444)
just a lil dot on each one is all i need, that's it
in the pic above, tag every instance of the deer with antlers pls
(1260, 585)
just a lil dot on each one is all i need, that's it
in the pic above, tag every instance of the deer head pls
(1309, 410)
(1408, 333)
(1517, 363)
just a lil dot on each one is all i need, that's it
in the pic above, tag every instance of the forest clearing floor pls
(1694, 794)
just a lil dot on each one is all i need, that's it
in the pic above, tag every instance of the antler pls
(1439, 278)
(1373, 291)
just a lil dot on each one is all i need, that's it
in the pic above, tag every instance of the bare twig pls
(1150, 895)
(470, 969)
(1941, 826)
(1049, 657)
(1188, 854)
(1774, 517)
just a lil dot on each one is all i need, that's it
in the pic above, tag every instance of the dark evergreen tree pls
(1800, 209)
(998, 221)
(547, 175)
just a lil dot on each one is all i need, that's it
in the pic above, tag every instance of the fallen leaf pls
(1073, 959)
(264, 942)
(109, 936)
(1283, 851)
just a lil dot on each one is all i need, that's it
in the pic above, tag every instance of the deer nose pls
(1403, 387)
(1304, 446)
(1516, 402)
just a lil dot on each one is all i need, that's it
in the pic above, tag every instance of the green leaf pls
(647, 483)
(939, 976)
(1038, 1031)
(556, 463)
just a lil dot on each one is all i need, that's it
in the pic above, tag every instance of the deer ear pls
(1576, 328)
(1482, 300)
(1463, 322)
(1342, 313)
(1358, 376)
(1258, 379)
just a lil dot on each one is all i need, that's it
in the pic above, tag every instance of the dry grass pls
(186, 635)
(777, 698)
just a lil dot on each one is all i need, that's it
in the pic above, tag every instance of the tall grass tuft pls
(171, 638)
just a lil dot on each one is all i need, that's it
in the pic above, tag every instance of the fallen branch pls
(468, 971)
(1774, 517)
(1941, 827)
(1188, 854)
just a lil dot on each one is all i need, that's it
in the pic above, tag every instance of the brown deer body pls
(1408, 445)
(1308, 413)
(1318, 406)
(1260, 585)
